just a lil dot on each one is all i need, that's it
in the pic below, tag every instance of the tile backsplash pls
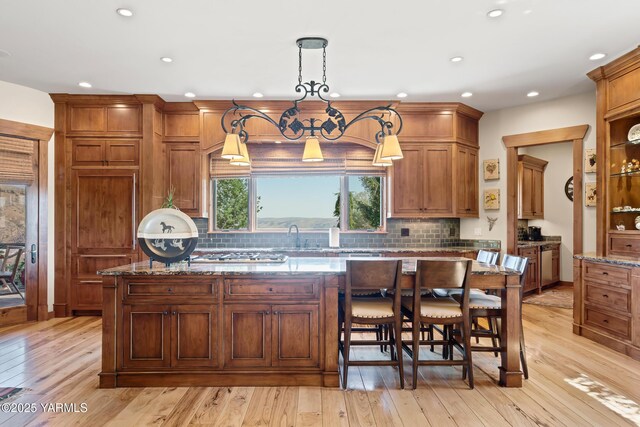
(422, 233)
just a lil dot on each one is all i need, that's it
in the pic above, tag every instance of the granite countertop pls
(535, 244)
(293, 266)
(610, 259)
(459, 249)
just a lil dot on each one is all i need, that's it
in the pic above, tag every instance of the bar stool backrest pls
(488, 257)
(442, 274)
(516, 263)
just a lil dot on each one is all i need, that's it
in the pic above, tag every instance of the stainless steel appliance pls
(241, 257)
(535, 233)
(546, 264)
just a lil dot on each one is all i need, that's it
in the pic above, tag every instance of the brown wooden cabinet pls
(262, 335)
(146, 336)
(530, 187)
(466, 179)
(103, 232)
(163, 336)
(295, 335)
(532, 280)
(183, 175)
(97, 152)
(247, 334)
(555, 264)
(422, 181)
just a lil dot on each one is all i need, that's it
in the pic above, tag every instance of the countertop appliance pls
(242, 257)
(535, 233)
(546, 267)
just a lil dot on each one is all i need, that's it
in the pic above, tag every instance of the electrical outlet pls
(404, 232)
(477, 231)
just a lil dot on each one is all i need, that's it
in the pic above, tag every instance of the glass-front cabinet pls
(623, 195)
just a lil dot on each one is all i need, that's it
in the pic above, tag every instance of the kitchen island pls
(244, 324)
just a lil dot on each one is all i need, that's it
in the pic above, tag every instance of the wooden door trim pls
(36, 293)
(574, 134)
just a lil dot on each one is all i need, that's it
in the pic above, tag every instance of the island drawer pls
(169, 287)
(613, 323)
(608, 297)
(613, 275)
(272, 288)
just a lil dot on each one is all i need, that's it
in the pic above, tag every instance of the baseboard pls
(51, 315)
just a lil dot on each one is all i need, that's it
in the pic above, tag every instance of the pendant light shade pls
(244, 160)
(377, 161)
(391, 148)
(312, 152)
(231, 148)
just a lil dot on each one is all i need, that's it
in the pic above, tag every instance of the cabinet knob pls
(276, 312)
(174, 312)
(270, 289)
(164, 313)
(169, 290)
(605, 321)
(267, 312)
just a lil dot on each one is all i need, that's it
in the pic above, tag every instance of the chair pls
(488, 257)
(9, 271)
(362, 310)
(441, 274)
(490, 306)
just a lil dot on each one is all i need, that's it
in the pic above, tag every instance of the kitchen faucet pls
(297, 234)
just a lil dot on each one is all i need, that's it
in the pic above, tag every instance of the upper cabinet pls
(438, 176)
(531, 187)
(618, 151)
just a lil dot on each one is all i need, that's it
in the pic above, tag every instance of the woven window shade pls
(285, 159)
(16, 161)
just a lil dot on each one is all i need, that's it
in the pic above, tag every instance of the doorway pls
(23, 222)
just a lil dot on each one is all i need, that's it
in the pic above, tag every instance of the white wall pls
(23, 104)
(562, 112)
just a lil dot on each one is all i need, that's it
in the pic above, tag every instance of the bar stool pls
(440, 274)
(372, 275)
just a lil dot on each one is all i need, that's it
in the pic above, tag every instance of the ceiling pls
(226, 49)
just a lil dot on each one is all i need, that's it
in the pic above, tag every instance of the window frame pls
(344, 206)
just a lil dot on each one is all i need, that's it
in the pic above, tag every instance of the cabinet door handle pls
(605, 321)
(605, 295)
(270, 289)
(605, 273)
(164, 313)
(628, 246)
(267, 313)
(169, 290)
(276, 312)
(174, 312)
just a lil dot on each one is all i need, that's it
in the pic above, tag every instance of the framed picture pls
(492, 199)
(590, 160)
(491, 169)
(590, 194)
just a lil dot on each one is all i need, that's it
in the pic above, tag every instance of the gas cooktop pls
(241, 257)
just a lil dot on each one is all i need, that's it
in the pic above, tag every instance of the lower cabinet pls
(283, 335)
(163, 336)
(532, 280)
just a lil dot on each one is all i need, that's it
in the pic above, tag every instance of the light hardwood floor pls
(573, 382)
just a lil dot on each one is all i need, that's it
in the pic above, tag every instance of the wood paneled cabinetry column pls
(97, 157)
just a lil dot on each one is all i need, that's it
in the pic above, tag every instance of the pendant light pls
(312, 152)
(378, 161)
(391, 148)
(231, 148)
(244, 160)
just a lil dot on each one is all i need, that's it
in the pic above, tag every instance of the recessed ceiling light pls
(532, 94)
(402, 95)
(466, 94)
(84, 84)
(597, 56)
(258, 95)
(456, 59)
(335, 95)
(495, 13)
(166, 59)
(528, 11)
(4, 53)
(190, 95)
(124, 12)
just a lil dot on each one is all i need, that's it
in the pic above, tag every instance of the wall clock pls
(568, 189)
